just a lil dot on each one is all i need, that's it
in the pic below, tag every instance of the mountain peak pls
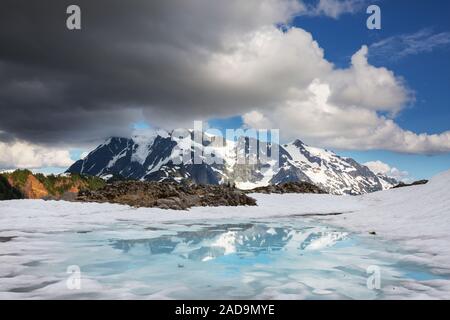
(298, 143)
(152, 157)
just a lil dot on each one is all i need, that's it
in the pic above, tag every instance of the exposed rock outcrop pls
(167, 195)
(415, 183)
(289, 187)
(34, 189)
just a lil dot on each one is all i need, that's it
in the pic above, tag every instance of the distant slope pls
(151, 158)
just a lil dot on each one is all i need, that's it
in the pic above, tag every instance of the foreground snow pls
(417, 218)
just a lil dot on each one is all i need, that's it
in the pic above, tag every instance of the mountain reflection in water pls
(208, 242)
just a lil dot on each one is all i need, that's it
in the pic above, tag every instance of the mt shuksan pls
(153, 158)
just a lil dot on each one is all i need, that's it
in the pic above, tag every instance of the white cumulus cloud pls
(353, 108)
(380, 167)
(20, 154)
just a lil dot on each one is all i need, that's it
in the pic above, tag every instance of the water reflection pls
(286, 258)
(207, 242)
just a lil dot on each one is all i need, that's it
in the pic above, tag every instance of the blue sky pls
(427, 73)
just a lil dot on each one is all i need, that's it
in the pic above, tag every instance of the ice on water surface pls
(288, 258)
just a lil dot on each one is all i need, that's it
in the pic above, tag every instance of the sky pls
(426, 70)
(311, 68)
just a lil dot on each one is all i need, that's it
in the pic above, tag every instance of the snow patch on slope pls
(144, 141)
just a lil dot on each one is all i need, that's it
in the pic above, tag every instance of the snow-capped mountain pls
(156, 157)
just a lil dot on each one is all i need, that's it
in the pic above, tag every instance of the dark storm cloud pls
(130, 58)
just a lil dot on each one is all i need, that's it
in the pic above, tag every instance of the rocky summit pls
(167, 195)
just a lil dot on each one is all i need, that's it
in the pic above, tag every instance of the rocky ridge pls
(167, 195)
(289, 187)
